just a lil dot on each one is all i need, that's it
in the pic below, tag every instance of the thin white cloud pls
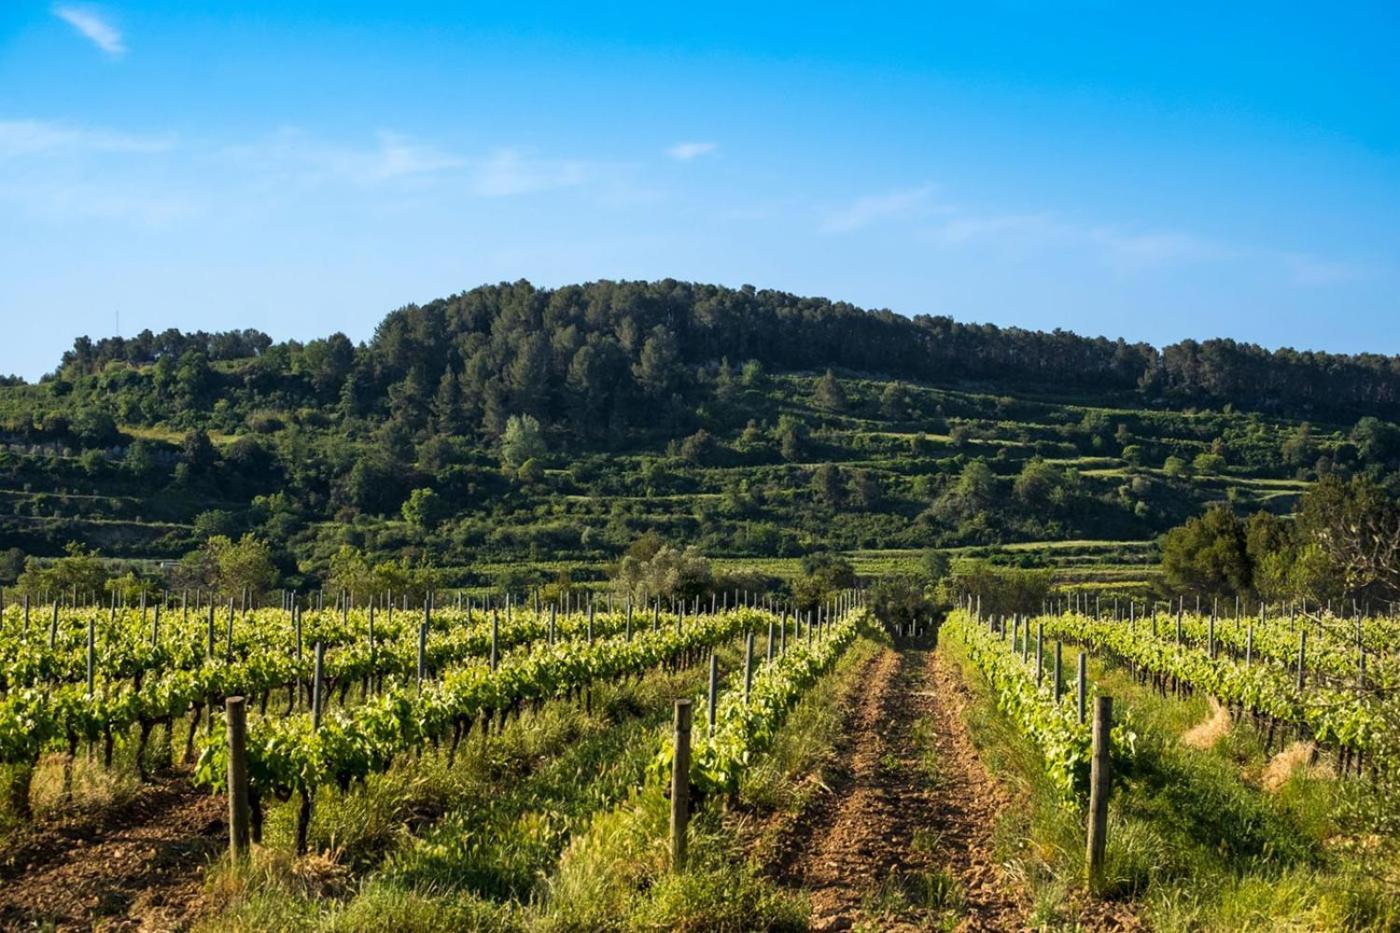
(295, 154)
(1130, 251)
(1315, 271)
(34, 137)
(1126, 249)
(865, 211)
(68, 200)
(399, 157)
(689, 151)
(93, 25)
(509, 172)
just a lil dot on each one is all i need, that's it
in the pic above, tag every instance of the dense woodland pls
(510, 422)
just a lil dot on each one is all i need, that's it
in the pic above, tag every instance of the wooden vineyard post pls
(769, 643)
(495, 638)
(1100, 785)
(748, 666)
(714, 690)
(1081, 686)
(316, 687)
(228, 633)
(1302, 658)
(680, 785)
(422, 651)
(369, 641)
(1039, 653)
(296, 625)
(236, 716)
(1059, 672)
(91, 657)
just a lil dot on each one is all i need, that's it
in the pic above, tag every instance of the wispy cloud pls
(871, 209)
(94, 26)
(68, 200)
(1313, 271)
(1126, 248)
(510, 172)
(292, 153)
(32, 137)
(1130, 251)
(689, 151)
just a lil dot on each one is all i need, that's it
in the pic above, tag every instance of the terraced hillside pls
(763, 474)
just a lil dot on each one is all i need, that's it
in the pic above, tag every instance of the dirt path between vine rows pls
(138, 866)
(902, 836)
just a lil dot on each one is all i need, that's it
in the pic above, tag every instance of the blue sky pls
(1146, 170)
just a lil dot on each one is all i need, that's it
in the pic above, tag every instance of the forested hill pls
(615, 348)
(510, 423)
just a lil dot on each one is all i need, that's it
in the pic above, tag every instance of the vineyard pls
(516, 765)
(337, 695)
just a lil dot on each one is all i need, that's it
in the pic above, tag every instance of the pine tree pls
(830, 396)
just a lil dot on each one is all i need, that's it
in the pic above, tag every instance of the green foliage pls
(1208, 463)
(653, 570)
(523, 440)
(823, 576)
(1003, 590)
(929, 436)
(229, 566)
(829, 395)
(902, 600)
(1342, 541)
(425, 508)
(1064, 742)
(80, 569)
(1208, 555)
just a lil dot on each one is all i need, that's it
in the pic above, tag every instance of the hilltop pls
(512, 427)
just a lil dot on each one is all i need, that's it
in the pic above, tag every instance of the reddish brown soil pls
(860, 837)
(138, 866)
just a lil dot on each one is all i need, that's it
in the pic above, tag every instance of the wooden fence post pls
(422, 652)
(1302, 658)
(316, 686)
(1100, 785)
(748, 666)
(495, 638)
(1081, 686)
(714, 689)
(1039, 653)
(236, 716)
(680, 785)
(91, 658)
